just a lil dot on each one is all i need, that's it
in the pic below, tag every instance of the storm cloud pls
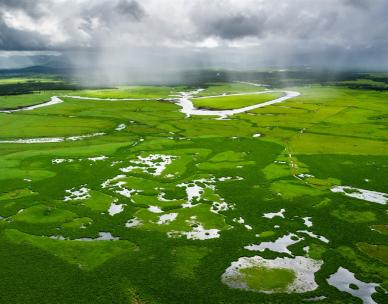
(282, 31)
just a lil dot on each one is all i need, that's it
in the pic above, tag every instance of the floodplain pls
(117, 195)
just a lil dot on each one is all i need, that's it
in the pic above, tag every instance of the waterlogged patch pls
(279, 245)
(155, 209)
(102, 236)
(275, 214)
(78, 223)
(241, 221)
(61, 161)
(134, 222)
(161, 197)
(77, 193)
(81, 137)
(315, 236)
(109, 182)
(307, 222)
(362, 194)
(198, 232)
(44, 140)
(343, 279)
(97, 158)
(115, 209)
(291, 275)
(315, 299)
(120, 127)
(125, 192)
(118, 186)
(305, 175)
(167, 218)
(58, 161)
(201, 221)
(218, 207)
(194, 193)
(204, 189)
(153, 164)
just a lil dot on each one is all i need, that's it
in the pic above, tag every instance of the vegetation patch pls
(188, 260)
(267, 279)
(292, 190)
(85, 255)
(234, 102)
(44, 214)
(353, 216)
(192, 192)
(383, 229)
(379, 252)
(16, 194)
(272, 276)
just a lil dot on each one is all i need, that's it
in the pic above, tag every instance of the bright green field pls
(261, 278)
(130, 92)
(234, 102)
(156, 208)
(15, 80)
(228, 88)
(15, 101)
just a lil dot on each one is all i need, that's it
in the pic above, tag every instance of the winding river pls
(182, 99)
(185, 102)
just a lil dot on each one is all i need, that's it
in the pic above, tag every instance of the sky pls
(197, 33)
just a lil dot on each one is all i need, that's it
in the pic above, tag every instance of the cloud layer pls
(283, 28)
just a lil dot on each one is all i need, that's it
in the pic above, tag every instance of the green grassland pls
(23, 125)
(179, 226)
(9, 102)
(261, 278)
(212, 89)
(16, 80)
(234, 102)
(130, 92)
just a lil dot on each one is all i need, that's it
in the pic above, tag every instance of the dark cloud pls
(132, 9)
(20, 4)
(362, 4)
(114, 13)
(35, 9)
(13, 39)
(233, 27)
